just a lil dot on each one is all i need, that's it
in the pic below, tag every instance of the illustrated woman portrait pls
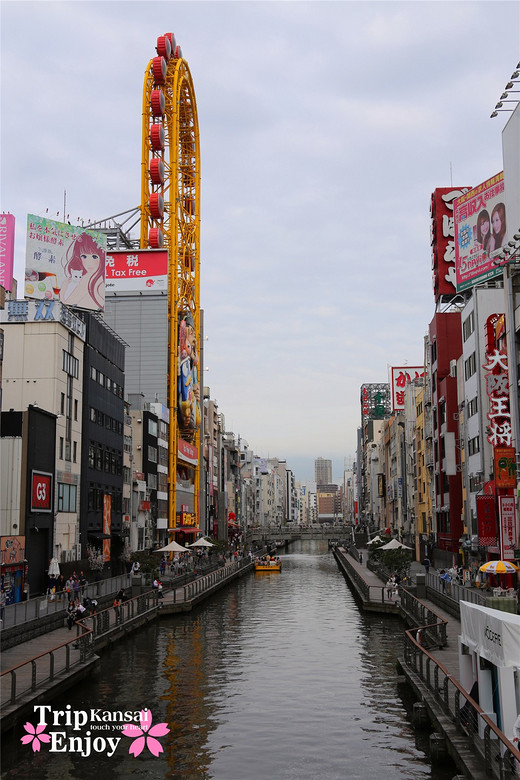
(498, 226)
(84, 267)
(484, 229)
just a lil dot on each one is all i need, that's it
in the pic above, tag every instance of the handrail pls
(475, 723)
(81, 642)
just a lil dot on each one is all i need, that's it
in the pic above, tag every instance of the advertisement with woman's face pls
(479, 218)
(188, 388)
(65, 262)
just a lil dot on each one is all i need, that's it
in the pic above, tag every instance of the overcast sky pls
(324, 126)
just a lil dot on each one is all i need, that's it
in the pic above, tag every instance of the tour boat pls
(268, 565)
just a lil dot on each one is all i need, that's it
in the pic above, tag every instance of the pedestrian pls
(117, 609)
(71, 614)
(136, 566)
(390, 587)
(3, 602)
(162, 567)
(82, 581)
(442, 576)
(361, 557)
(426, 563)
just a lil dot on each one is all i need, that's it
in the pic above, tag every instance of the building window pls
(62, 404)
(75, 451)
(61, 448)
(70, 364)
(66, 497)
(473, 407)
(470, 366)
(152, 454)
(473, 445)
(468, 326)
(152, 427)
(76, 409)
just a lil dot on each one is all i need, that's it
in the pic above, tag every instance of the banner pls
(107, 522)
(507, 512)
(6, 251)
(487, 521)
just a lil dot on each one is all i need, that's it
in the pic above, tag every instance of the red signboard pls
(41, 492)
(487, 521)
(187, 452)
(443, 239)
(136, 271)
(107, 522)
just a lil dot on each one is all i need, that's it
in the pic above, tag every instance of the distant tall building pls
(323, 471)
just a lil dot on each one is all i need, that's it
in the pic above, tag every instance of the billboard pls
(375, 401)
(188, 388)
(480, 232)
(136, 271)
(442, 239)
(6, 251)
(66, 262)
(400, 376)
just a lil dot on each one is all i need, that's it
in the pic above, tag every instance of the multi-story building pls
(43, 366)
(323, 471)
(445, 338)
(101, 500)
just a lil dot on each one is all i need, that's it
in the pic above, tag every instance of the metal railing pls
(454, 591)
(51, 604)
(501, 757)
(433, 627)
(44, 668)
(198, 586)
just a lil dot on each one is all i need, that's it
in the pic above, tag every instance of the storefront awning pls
(189, 529)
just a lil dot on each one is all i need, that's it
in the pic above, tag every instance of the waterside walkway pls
(431, 666)
(37, 670)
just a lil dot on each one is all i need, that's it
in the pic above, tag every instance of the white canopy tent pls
(374, 540)
(395, 545)
(202, 543)
(172, 547)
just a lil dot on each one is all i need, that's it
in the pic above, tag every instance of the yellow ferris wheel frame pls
(180, 226)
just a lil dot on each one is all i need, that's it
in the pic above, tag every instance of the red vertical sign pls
(107, 522)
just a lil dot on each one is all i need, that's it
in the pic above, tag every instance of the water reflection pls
(279, 676)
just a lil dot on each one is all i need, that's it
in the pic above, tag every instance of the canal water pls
(277, 676)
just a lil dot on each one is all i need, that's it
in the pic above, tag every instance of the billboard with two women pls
(480, 232)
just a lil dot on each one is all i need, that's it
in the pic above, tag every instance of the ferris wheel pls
(170, 219)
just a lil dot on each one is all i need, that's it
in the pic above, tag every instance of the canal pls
(277, 676)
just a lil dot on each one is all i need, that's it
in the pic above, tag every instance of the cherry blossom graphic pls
(35, 735)
(145, 735)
